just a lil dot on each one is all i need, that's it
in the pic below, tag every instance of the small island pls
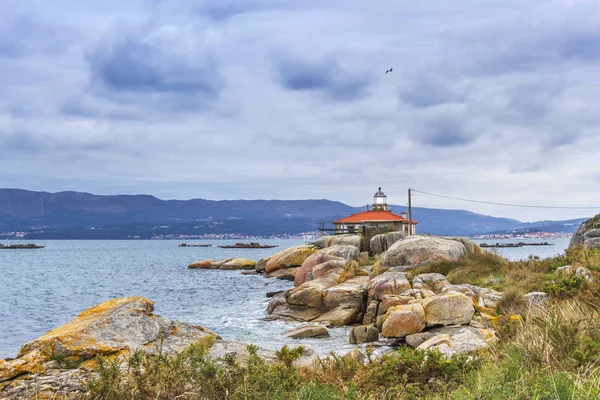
(247, 246)
(21, 246)
(194, 245)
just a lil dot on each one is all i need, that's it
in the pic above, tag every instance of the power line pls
(506, 204)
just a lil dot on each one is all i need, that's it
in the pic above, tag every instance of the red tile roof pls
(366, 216)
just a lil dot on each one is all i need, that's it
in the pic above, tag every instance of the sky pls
(279, 99)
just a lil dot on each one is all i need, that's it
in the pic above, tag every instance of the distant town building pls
(378, 216)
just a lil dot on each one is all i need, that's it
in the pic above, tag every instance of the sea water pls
(44, 288)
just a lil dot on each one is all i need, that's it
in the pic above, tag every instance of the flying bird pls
(389, 70)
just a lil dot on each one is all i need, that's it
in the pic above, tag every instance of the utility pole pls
(410, 224)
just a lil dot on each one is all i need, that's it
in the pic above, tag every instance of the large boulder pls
(343, 315)
(225, 264)
(116, 327)
(307, 331)
(333, 240)
(453, 340)
(588, 234)
(351, 293)
(390, 282)
(292, 257)
(324, 260)
(310, 294)
(403, 320)
(382, 242)
(363, 334)
(205, 264)
(238, 263)
(420, 250)
(452, 308)
(261, 265)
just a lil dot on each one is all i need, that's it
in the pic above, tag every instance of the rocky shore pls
(375, 288)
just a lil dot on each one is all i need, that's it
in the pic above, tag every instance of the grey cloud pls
(444, 128)
(141, 62)
(526, 48)
(326, 75)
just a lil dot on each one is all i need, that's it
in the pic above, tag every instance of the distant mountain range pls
(70, 215)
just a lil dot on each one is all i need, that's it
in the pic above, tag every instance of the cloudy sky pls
(226, 99)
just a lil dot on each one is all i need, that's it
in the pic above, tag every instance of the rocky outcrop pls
(335, 240)
(588, 234)
(307, 331)
(324, 260)
(336, 298)
(113, 328)
(382, 242)
(225, 264)
(420, 250)
(289, 258)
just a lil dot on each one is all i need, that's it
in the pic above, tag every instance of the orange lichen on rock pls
(110, 329)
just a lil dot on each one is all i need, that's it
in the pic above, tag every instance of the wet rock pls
(273, 294)
(339, 316)
(448, 309)
(261, 265)
(401, 321)
(363, 334)
(291, 312)
(307, 331)
(276, 301)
